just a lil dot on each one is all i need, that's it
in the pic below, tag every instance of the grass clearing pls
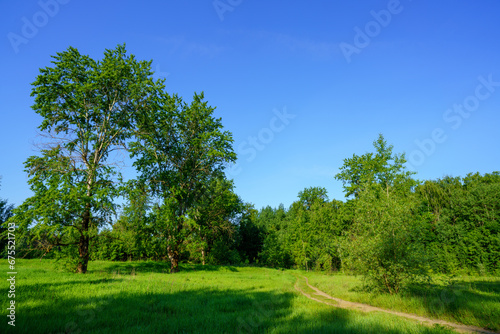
(140, 297)
(467, 300)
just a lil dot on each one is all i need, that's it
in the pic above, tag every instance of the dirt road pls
(368, 308)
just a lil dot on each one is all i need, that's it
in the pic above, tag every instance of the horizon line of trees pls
(452, 205)
(392, 228)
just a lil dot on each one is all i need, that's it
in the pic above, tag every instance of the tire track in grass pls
(368, 308)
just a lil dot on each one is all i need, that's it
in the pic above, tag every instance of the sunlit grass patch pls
(464, 299)
(140, 297)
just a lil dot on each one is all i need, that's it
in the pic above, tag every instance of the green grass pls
(140, 297)
(468, 300)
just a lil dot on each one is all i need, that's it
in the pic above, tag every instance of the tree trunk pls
(83, 244)
(173, 255)
(83, 250)
(203, 256)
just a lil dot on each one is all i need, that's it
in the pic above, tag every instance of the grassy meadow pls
(464, 299)
(141, 297)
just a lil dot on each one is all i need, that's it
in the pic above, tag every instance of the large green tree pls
(88, 108)
(382, 242)
(382, 167)
(181, 148)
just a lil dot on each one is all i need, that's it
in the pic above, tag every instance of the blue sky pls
(301, 85)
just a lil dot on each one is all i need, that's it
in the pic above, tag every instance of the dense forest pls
(391, 227)
(390, 224)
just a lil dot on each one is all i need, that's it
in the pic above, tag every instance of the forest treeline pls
(453, 221)
(391, 227)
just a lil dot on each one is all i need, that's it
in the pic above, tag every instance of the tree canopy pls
(180, 149)
(382, 167)
(89, 108)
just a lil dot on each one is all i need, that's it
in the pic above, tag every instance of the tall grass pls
(463, 299)
(141, 297)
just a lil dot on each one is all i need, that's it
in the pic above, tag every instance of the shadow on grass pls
(188, 311)
(462, 299)
(154, 267)
(37, 286)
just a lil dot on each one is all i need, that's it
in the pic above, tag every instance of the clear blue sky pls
(337, 72)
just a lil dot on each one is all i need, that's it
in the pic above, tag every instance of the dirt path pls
(367, 308)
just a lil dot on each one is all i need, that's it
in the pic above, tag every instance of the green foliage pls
(273, 226)
(463, 229)
(138, 297)
(223, 253)
(313, 195)
(88, 109)
(392, 229)
(307, 235)
(383, 168)
(383, 242)
(215, 211)
(180, 149)
(275, 253)
(249, 236)
(312, 228)
(135, 235)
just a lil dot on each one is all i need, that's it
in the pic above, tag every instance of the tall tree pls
(88, 108)
(180, 149)
(382, 167)
(379, 241)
